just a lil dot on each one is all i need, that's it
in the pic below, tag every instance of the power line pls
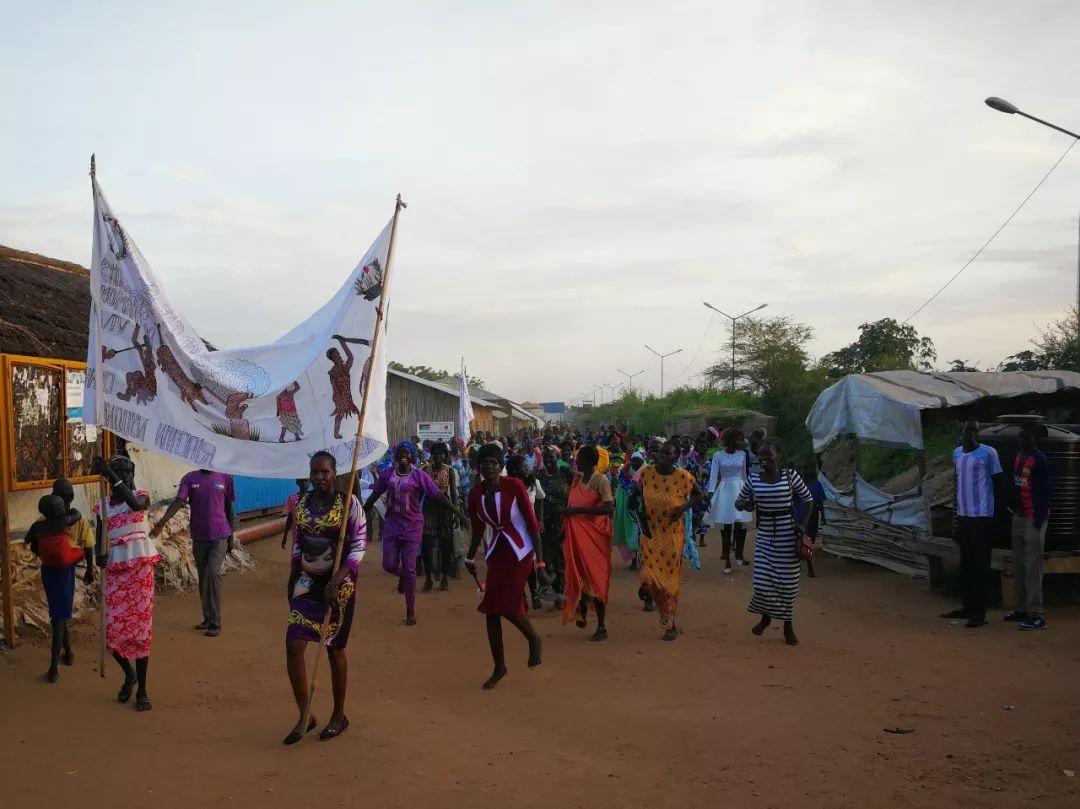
(994, 236)
(690, 364)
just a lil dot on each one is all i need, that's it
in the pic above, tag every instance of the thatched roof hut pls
(44, 306)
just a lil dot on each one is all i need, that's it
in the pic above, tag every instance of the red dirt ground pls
(717, 718)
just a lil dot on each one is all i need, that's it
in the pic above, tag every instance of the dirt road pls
(718, 718)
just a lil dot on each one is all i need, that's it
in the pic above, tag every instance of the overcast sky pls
(580, 176)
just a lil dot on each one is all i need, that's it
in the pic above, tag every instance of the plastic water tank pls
(1062, 447)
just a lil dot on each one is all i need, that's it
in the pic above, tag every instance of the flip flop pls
(296, 736)
(330, 733)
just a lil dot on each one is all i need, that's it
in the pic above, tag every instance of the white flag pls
(465, 411)
(259, 411)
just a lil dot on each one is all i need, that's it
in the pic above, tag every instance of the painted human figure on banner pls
(287, 413)
(341, 380)
(140, 384)
(190, 390)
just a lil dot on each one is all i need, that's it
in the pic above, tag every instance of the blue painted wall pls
(256, 493)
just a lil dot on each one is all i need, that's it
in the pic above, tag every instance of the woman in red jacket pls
(503, 504)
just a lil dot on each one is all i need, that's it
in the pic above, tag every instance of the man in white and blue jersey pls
(978, 476)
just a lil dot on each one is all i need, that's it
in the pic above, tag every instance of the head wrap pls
(409, 445)
(715, 432)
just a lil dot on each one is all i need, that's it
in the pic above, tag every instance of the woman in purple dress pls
(314, 584)
(406, 488)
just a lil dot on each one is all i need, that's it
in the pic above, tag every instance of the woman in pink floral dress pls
(129, 576)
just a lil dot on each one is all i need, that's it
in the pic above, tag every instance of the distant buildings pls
(554, 412)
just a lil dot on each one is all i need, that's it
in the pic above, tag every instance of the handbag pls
(804, 546)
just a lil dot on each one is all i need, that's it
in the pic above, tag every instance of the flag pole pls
(103, 514)
(380, 314)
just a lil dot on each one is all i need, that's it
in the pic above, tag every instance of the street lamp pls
(662, 357)
(630, 377)
(613, 387)
(733, 319)
(1001, 105)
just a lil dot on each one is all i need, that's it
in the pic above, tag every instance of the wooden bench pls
(938, 549)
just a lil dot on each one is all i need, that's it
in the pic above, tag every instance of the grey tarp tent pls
(888, 408)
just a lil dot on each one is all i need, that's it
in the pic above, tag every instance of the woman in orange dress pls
(587, 543)
(668, 492)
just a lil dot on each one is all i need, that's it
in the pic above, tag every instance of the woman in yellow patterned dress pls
(667, 493)
(315, 586)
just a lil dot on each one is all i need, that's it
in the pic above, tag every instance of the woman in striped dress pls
(776, 560)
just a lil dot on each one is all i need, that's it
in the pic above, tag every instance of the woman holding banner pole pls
(129, 571)
(316, 585)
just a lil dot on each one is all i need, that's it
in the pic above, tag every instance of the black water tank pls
(1062, 447)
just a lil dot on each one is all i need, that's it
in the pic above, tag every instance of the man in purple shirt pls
(211, 497)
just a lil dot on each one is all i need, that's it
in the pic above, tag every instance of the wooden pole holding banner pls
(99, 412)
(380, 314)
(103, 551)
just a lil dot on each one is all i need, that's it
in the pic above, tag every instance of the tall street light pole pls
(662, 358)
(1001, 105)
(733, 320)
(630, 377)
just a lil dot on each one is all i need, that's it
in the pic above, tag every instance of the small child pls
(59, 548)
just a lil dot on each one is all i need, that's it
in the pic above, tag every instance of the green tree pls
(769, 354)
(433, 374)
(884, 345)
(957, 366)
(1056, 348)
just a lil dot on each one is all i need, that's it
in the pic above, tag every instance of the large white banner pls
(258, 411)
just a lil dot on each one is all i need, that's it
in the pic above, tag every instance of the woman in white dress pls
(727, 475)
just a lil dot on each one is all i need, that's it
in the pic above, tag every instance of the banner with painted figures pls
(259, 411)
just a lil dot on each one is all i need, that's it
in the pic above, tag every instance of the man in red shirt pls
(1031, 511)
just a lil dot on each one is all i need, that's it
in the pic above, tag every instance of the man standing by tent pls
(978, 475)
(1031, 511)
(211, 497)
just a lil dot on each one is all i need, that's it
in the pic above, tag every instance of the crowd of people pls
(547, 511)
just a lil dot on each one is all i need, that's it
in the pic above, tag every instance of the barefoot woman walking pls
(668, 493)
(587, 546)
(502, 504)
(776, 558)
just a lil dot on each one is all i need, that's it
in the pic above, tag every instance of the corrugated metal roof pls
(452, 391)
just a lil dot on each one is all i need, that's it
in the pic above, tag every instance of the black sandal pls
(296, 735)
(126, 690)
(332, 733)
